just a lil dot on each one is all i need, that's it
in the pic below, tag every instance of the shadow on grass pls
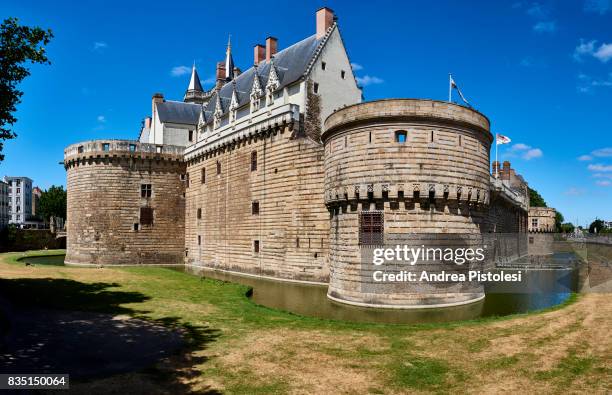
(84, 329)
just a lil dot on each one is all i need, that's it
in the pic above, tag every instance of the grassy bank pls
(237, 346)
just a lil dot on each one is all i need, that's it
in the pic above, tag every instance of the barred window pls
(255, 207)
(218, 167)
(204, 175)
(146, 216)
(371, 228)
(199, 213)
(256, 246)
(253, 160)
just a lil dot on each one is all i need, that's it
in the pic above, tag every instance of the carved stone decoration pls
(233, 108)
(256, 92)
(370, 188)
(416, 187)
(218, 113)
(273, 83)
(385, 187)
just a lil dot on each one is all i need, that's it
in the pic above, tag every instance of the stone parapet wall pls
(104, 201)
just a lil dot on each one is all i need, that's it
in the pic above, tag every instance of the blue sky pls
(541, 71)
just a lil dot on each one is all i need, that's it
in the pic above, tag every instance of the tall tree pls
(535, 199)
(52, 203)
(18, 45)
(558, 221)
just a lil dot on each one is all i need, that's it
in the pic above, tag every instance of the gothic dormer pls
(201, 122)
(218, 112)
(273, 83)
(256, 92)
(233, 108)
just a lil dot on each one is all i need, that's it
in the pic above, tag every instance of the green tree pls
(567, 227)
(558, 221)
(18, 45)
(535, 199)
(53, 203)
(596, 225)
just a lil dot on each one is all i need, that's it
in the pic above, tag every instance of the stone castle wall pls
(292, 223)
(435, 182)
(104, 201)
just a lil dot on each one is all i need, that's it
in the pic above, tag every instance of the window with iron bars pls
(371, 228)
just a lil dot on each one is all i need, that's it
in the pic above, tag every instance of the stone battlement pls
(93, 149)
(422, 109)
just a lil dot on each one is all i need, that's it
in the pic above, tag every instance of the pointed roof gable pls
(194, 83)
(290, 64)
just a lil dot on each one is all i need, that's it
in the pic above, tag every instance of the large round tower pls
(403, 171)
(126, 203)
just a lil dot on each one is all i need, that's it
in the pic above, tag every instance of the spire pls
(194, 83)
(229, 61)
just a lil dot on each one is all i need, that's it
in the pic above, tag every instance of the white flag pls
(454, 85)
(501, 139)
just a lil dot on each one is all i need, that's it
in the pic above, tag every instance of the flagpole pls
(450, 87)
(496, 162)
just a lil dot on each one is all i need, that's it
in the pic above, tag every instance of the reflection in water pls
(539, 289)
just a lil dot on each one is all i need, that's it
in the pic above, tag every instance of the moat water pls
(541, 288)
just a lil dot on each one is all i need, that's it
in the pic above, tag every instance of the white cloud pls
(604, 183)
(526, 152)
(520, 147)
(178, 71)
(210, 80)
(538, 11)
(585, 158)
(99, 45)
(602, 175)
(101, 119)
(356, 66)
(545, 27)
(604, 53)
(586, 83)
(587, 48)
(600, 167)
(603, 152)
(368, 80)
(597, 6)
(573, 191)
(584, 48)
(533, 153)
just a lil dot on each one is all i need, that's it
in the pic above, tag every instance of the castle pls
(282, 171)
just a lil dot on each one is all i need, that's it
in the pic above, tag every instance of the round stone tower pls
(404, 171)
(126, 203)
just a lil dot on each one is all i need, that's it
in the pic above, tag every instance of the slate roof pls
(291, 64)
(179, 112)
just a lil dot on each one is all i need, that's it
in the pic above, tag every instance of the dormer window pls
(256, 93)
(272, 85)
(233, 108)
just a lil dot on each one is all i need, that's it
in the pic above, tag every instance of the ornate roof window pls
(233, 108)
(256, 92)
(273, 84)
(218, 113)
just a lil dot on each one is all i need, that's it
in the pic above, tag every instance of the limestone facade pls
(542, 219)
(125, 203)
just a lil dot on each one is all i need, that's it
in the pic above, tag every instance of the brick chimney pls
(157, 98)
(147, 123)
(259, 53)
(271, 43)
(495, 167)
(220, 71)
(325, 18)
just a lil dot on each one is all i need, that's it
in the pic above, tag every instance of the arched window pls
(401, 136)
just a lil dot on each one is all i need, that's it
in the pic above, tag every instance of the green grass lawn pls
(236, 346)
